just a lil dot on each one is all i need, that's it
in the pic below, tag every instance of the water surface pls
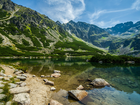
(125, 81)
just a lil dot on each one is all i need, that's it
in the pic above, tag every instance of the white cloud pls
(64, 10)
(97, 14)
(106, 24)
(136, 5)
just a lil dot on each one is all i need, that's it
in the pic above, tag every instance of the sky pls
(103, 13)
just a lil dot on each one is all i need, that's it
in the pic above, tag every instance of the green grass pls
(4, 14)
(26, 43)
(7, 93)
(1, 40)
(75, 45)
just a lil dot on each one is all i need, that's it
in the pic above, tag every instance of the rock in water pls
(56, 71)
(45, 80)
(99, 82)
(19, 90)
(80, 87)
(22, 98)
(54, 102)
(49, 83)
(53, 88)
(56, 75)
(78, 94)
(42, 76)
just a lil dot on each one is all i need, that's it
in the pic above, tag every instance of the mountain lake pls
(124, 80)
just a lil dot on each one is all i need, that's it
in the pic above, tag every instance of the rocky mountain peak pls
(8, 5)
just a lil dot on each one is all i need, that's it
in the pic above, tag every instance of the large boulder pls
(78, 94)
(99, 82)
(22, 98)
(55, 75)
(19, 90)
(54, 102)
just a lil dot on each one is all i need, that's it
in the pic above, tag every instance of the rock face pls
(54, 102)
(19, 90)
(80, 87)
(55, 75)
(78, 94)
(99, 82)
(22, 98)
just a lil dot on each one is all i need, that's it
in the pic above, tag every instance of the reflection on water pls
(125, 81)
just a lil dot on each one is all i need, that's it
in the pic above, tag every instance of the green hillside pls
(25, 32)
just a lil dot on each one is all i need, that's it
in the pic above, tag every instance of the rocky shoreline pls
(28, 89)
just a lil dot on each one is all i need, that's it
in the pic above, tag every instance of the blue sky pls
(103, 13)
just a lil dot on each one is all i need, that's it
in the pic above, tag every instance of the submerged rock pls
(49, 83)
(42, 76)
(19, 90)
(33, 76)
(45, 80)
(54, 102)
(130, 62)
(56, 75)
(80, 87)
(99, 82)
(53, 88)
(78, 94)
(22, 98)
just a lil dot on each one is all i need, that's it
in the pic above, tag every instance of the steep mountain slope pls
(128, 29)
(115, 42)
(129, 46)
(25, 32)
(87, 32)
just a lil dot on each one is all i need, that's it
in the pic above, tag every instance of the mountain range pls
(25, 32)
